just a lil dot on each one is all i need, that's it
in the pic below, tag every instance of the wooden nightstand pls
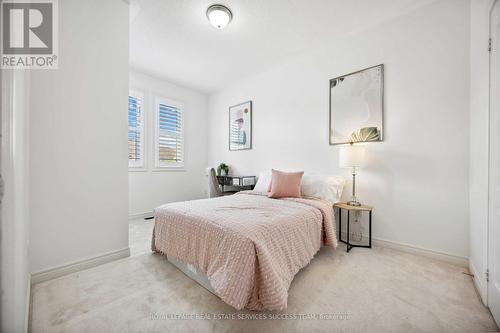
(349, 208)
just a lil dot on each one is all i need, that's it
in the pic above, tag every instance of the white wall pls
(479, 133)
(78, 136)
(417, 179)
(15, 212)
(149, 189)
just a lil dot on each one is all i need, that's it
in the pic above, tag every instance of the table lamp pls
(352, 157)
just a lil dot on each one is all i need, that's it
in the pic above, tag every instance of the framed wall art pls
(240, 126)
(356, 106)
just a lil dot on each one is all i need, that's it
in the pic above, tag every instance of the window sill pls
(169, 169)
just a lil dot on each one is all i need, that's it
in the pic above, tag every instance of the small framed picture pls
(240, 126)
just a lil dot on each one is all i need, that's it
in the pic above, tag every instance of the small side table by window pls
(349, 208)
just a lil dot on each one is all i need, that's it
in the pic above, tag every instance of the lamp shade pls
(351, 156)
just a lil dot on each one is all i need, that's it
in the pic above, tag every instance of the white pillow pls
(323, 187)
(263, 182)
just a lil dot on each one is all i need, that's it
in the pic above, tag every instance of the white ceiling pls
(173, 39)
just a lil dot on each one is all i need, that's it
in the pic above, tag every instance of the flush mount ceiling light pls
(219, 16)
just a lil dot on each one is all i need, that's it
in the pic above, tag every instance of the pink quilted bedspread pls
(249, 246)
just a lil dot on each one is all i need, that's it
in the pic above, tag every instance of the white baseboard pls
(479, 283)
(140, 215)
(449, 258)
(446, 257)
(79, 265)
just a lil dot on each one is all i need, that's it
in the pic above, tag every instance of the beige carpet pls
(377, 290)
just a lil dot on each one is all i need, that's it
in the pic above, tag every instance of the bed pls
(245, 248)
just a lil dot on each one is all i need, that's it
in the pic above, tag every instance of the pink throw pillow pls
(285, 184)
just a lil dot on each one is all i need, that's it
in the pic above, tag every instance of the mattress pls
(248, 246)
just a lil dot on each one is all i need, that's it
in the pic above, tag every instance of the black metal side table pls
(349, 208)
(236, 183)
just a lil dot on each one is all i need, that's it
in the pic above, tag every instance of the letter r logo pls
(27, 28)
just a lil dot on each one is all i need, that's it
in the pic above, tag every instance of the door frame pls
(14, 252)
(489, 227)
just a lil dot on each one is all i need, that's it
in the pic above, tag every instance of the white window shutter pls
(169, 140)
(135, 130)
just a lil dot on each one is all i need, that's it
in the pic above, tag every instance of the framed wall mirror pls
(356, 106)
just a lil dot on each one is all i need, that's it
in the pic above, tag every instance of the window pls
(169, 138)
(135, 131)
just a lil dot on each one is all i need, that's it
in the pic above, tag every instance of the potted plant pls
(223, 169)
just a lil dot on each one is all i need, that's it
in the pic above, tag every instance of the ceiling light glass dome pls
(219, 16)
